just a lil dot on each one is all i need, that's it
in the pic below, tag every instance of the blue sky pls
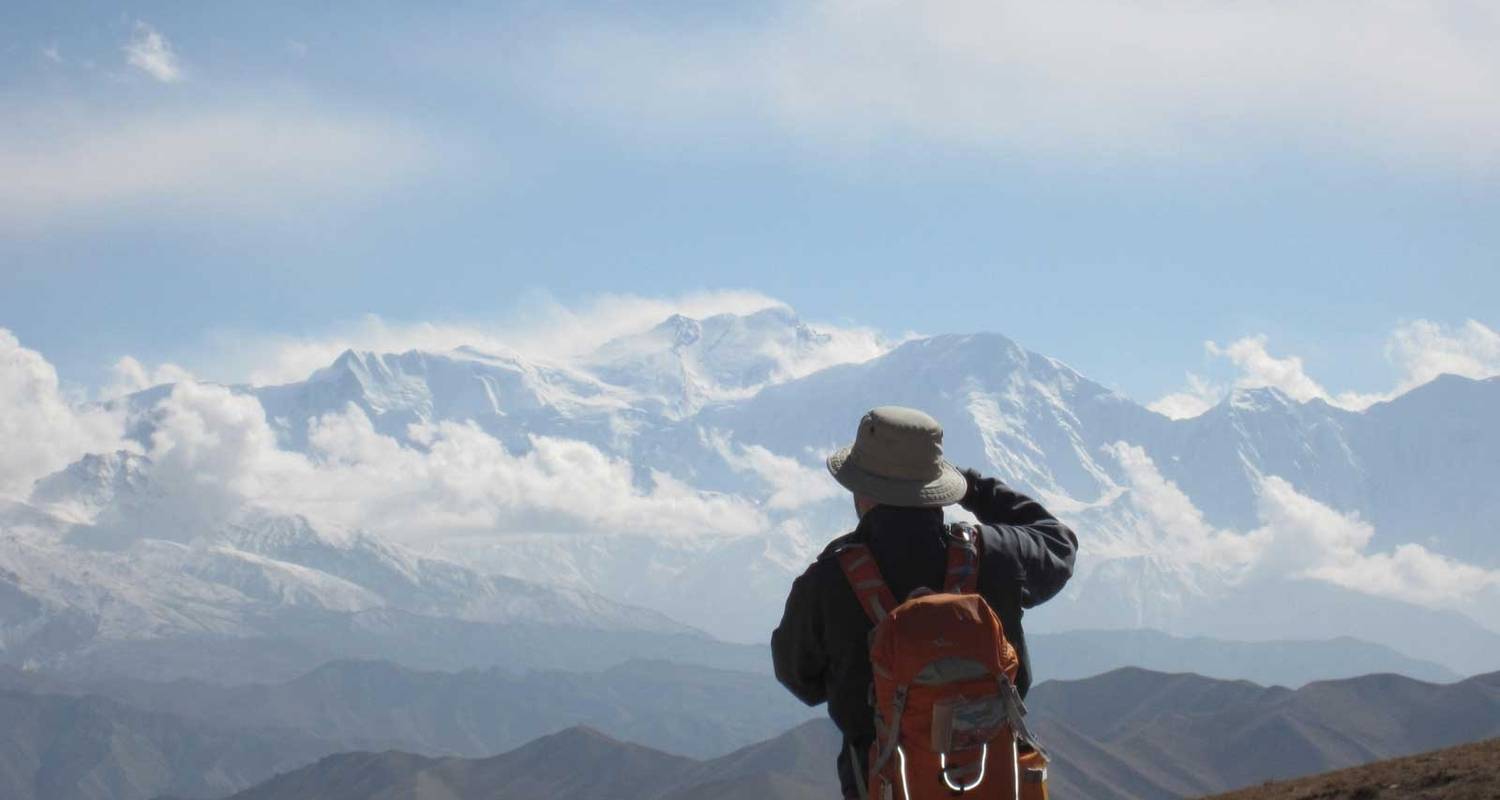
(1112, 184)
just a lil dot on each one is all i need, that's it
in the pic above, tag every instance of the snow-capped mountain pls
(102, 568)
(683, 364)
(506, 395)
(679, 469)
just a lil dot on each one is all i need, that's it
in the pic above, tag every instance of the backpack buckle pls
(965, 533)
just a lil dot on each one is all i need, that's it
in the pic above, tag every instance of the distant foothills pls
(376, 731)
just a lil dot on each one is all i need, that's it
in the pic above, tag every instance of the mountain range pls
(1126, 735)
(688, 710)
(579, 763)
(683, 709)
(57, 747)
(1085, 653)
(264, 596)
(654, 498)
(1133, 733)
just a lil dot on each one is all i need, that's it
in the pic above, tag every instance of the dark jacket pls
(821, 648)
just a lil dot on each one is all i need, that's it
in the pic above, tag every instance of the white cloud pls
(844, 345)
(1413, 573)
(567, 486)
(1171, 524)
(52, 53)
(1320, 542)
(1423, 350)
(1301, 534)
(149, 52)
(213, 452)
(1419, 351)
(40, 430)
(1072, 78)
(793, 484)
(1258, 368)
(1198, 397)
(1297, 536)
(59, 166)
(130, 375)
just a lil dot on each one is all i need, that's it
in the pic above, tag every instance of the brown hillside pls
(1468, 772)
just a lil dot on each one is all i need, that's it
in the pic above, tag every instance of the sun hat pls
(897, 460)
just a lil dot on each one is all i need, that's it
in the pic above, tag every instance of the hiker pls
(900, 482)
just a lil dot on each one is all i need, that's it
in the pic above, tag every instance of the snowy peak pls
(685, 363)
(94, 482)
(670, 371)
(1030, 418)
(505, 394)
(1259, 399)
(278, 535)
(982, 355)
(681, 331)
(376, 383)
(350, 363)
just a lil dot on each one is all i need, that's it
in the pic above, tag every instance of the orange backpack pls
(948, 718)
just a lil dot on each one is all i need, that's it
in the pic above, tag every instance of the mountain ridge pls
(1414, 477)
(1151, 742)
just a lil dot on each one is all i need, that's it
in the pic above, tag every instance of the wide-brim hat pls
(897, 460)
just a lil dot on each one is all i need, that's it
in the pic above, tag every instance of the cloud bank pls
(41, 430)
(1424, 350)
(213, 452)
(793, 484)
(1297, 537)
(1075, 78)
(130, 375)
(58, 166)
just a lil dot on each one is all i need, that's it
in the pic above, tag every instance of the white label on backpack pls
(962, 723)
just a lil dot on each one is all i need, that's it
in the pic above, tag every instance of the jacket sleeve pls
(1044, 548)
(797, 643)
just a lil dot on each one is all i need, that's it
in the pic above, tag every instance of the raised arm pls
(797, 643)
(1043, 547)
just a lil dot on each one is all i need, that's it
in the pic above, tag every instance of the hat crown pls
(899, 443)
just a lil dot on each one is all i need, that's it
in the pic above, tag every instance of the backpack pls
(948, 718)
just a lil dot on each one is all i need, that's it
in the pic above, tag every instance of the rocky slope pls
(1467, 772)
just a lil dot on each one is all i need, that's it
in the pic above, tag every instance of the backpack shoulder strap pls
(864, 577)
(963, 560)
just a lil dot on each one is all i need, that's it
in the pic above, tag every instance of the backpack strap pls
(963, 560)
(864, 577)
(1015, 715)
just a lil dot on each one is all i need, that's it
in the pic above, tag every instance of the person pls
(900, 482)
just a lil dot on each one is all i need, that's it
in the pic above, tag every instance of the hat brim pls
(948, 488)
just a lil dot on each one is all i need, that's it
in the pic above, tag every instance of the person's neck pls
(880, 514)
